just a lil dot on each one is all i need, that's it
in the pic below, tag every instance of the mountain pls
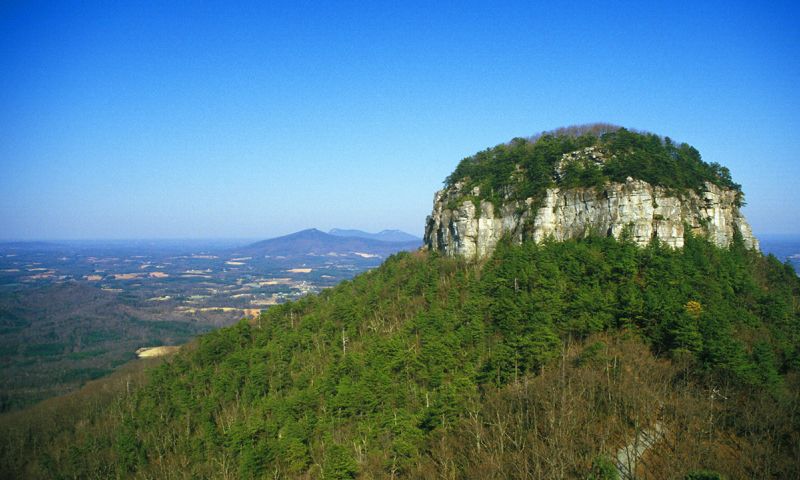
(383, 235)
(590, 357)
(316, 242)
(572, 186)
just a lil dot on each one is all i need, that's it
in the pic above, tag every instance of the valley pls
(74, 311)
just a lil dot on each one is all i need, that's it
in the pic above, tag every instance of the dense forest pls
(544, 361)
(525, 167)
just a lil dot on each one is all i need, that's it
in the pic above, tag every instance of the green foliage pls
(524, 168)
(339, 463)
(603, 469)
(128, 448)
(593, 353)
(365, 376)
(531, 165)
(660, 162)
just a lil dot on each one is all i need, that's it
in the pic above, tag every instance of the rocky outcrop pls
(464, 226)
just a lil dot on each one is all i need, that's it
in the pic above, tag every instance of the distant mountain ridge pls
(317, 242)
(383, 235)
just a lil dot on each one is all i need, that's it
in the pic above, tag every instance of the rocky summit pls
(465, 223)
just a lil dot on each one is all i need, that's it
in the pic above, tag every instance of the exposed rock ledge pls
(650, 211)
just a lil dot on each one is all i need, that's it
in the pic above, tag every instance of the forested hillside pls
(542, 362)
(54, 338)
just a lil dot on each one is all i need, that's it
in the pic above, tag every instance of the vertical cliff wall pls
(462, 225)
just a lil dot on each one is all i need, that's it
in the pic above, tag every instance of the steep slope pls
(573, 186)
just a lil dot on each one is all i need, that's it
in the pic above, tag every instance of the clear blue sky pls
(174, 120)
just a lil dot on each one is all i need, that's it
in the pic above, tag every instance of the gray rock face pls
(459, 227)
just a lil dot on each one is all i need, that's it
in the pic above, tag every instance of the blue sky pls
(198, 120)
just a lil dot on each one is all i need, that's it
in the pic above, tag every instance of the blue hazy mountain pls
(384, 235)
(316, 242)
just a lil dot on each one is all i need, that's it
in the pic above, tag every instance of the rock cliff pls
(462, 224)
